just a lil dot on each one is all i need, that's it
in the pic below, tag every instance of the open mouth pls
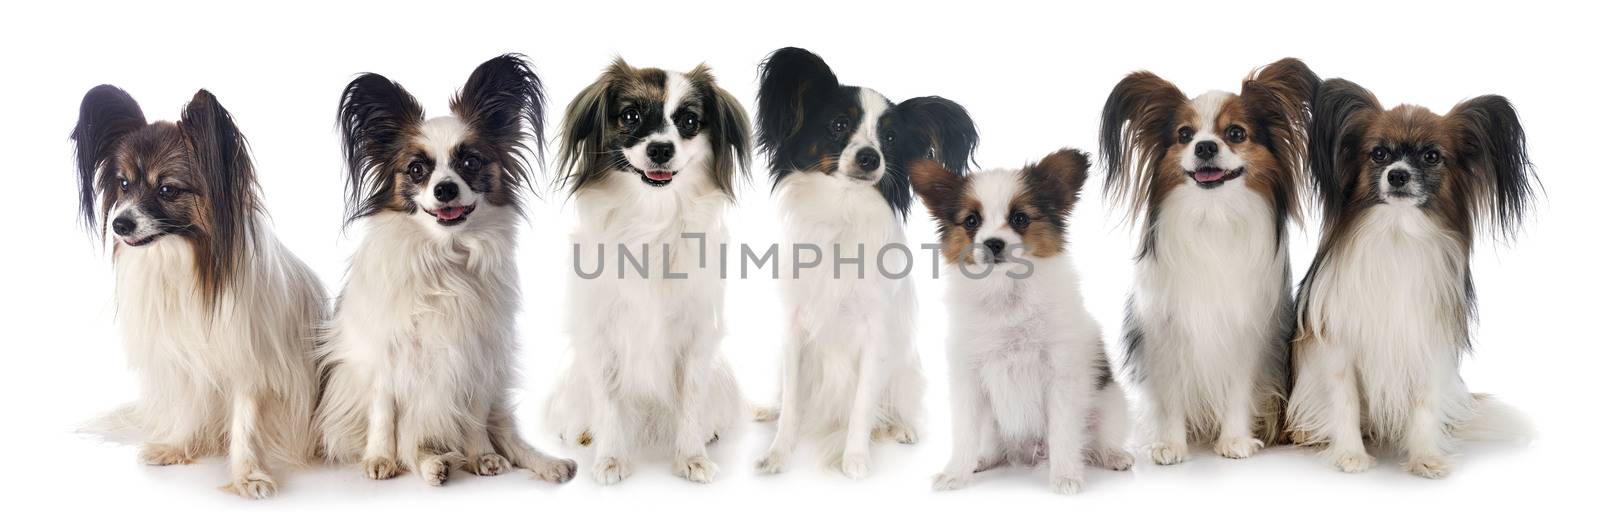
(452, 215)
(655, 177)
(1212, 177)
(135, 242)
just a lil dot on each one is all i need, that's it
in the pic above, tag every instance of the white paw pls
(697, 469)
(949, 481)
(379, 468)
(1115, 459)
(1168, 454)
(855, 465)
(1066, 484)
(766, 414)
(610, 470)
(773, 463)
(434, 471)
(254, 485)
(163, 455)
(551, 469)
(488, 464)
(1428, 466)
(1352, 461)
(1237, 447)
(897, 433)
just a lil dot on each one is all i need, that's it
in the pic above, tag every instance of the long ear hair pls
(106, 115)
(1057, 179)
(730, 129)
(223, 160)
(1340, 115)
(501, 97)
(791, 78)
(375, 117)
(583, 159)
(945, 128)
(1495, 152)
(1137, 124)
(1278, 97)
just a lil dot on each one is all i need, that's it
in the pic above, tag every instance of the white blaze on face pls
(1409, 192)
(439, 138)
(995, 192)
(1207, 107)
(688, 154)
(865, 139)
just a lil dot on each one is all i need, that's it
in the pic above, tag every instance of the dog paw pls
(1428, 466)
(897, 433)
(766, 414)
(379, 468)
(555, 470)
(255, 485)
(948, 481)
(610, 470)
(1066, 484)
(1115, 459)
(434, 471)
(856, 466)
(1168, 454)
(163, 455)
(488, 464)
(1353, 461)
(697, 469)
(1237, 447)
(773, 463)
(585, 438)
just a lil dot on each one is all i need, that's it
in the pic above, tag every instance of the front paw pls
(1428, 466)
(1352, 461)
(254, 485)
(856, 466)
(1066, 484)
(1237, 447)
(164, 455)
(697, 469)
(897, 433)
(948, 481)
(610, 470)
(1115, 459)
(551, 469)
(434, 471)
(1168, 454)
(379, 468)
(773, 463)
(488, 464)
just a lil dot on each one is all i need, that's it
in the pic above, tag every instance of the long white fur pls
(420, 352)
(1023, 355)
(236, 380)
(646, 366)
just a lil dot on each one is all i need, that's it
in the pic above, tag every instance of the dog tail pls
(1494, 420)
(121, 425)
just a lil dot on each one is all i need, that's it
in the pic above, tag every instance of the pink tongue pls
(1208, 175)
(661, 175)
(451, 213)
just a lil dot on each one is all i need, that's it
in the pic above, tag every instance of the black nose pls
(1205, 149)
(995, 245)
(123, 226)
(659, 152)
(1399, 177)
(446, 192)
(868, 159)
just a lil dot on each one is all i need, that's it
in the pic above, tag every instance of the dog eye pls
(888, 135)
(1235, 134)
(689, 123)
(1185, 135)
(167, 192)
(124, 185)
(840, 124)
(971, 222)
(1020, 220)
(1380, 154)
(1431, 157)
(471, 163)
(630, 117)
(417, 171)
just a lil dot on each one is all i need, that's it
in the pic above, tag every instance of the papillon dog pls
(1029, 377)
(650, 158)
(1385, 311)
(419, 358)
(1213, 181)
(219, 318)
(838, 157)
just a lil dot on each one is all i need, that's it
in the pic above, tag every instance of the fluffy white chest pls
(843, 248)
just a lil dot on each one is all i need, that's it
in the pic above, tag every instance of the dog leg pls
(1068, 411)
(690, 459)
(970, 416)
(1327, 402)
(1111, 429)
(1172, 435)
(611, 466)
(1237, 416)
(378, 461)
(857, 460)
(787, 435)
(505, 439)
(481, 457)
(249, 477)
(1426, 438)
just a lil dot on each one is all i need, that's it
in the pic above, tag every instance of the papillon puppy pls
(650, 158)
(838, 157)
(1213, 181)
(1385, 311)
(419, 358)
(1029, 376)
(219, 318)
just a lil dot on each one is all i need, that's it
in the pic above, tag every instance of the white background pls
(1034, 77)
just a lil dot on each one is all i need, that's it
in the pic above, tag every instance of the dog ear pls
(1056, 181)
(582, 159)
(503, 96)
(376, 118)
(940, 128)
(791, 79)
(222, 159)
(1494, 153)
(939, 188)
(106, 115)
(1138, 120)
(730, 129)
(1341, 112)
(1277, 98)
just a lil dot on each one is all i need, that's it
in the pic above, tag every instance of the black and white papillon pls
(218, 317)
(838, 157)
(1385, 312)
(420, 356)
(650, 158)
(1214, 181)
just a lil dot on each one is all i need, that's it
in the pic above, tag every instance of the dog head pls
(996, 216)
